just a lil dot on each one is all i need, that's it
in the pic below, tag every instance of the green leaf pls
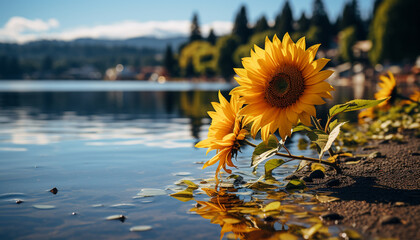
(190, 184)
(295, 184)
(354, 105)
(331, 138)
(270, 165)
(332, 125)
(317, 166)
(301, 127)
(184, 195)
(265, 150)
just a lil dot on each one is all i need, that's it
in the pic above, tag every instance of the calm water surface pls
(100, 148)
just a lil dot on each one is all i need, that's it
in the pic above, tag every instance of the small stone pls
(399, 204)
(415, 154)
(116, 217)
(54, 190)
(307, 179)
(333, 182)
(331, 217)
(389, 220)
(317, 174)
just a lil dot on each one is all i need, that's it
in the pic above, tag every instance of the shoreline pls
(379, 196)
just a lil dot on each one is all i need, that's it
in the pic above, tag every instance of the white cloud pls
(19, 29)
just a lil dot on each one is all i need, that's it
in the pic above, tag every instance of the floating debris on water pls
(140, 228)
(54, 191)
(182, 174)
(98, 205)
(150, 192)
(43, 207)
(123, 205)
(116, 217)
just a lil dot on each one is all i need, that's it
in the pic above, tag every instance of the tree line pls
(391, 27)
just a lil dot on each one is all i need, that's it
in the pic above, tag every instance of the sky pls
(26, 20)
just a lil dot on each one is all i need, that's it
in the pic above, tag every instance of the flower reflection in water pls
(278, 215)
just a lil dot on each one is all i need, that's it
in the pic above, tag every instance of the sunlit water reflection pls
(100, 149)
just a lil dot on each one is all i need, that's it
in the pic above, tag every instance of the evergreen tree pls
(320, 24)
(261, 25)
(195, 29)
(303, 23)
(376, 5)
(351, 17)
(226, 47)
(284, 21)
(394, 32)
(240, 27)
(212, 37)
(169, 61)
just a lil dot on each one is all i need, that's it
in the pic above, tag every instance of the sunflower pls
(225, 132)
(388, 89)
(281, 85)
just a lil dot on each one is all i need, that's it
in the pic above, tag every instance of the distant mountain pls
(138, 42)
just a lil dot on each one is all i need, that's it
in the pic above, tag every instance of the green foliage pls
(261, 25)
(295, 184)
(394, 31)
(284, 21)
(244, 50)
(323, 30)
(212, 37)
(314, 35)
(198, 55)
(195, 29)
(225, 48)
(303, 23)
(347, 38)
(265, 150)
(169, 62)
(353, 105)
(270, 165)
(240, 26)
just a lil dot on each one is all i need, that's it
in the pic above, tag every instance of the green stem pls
(319, 127)
(337, 169)
(405, 98)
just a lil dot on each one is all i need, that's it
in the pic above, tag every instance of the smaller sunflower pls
(224, 133)
(388, 89)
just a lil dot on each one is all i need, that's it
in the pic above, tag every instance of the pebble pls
(331, 217)
(415, 154)
(333, 182)
(54, 190)
(317, 174)
(389, 220)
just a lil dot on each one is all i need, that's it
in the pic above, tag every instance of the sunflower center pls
(285, 87)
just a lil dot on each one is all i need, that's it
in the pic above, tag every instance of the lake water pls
(101, 144)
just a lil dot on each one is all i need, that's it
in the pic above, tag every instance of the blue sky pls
(24, 20)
